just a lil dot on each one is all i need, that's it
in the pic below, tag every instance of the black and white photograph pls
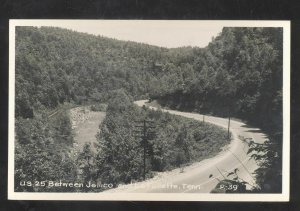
(169, 110)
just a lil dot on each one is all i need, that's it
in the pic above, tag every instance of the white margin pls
(284, 196)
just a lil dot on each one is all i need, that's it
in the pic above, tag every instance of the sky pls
(170, 34)
(163, 33)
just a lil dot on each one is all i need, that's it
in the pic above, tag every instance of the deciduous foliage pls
(42, 153)
(269, 159)
(239, 71)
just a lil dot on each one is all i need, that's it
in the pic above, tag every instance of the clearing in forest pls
(85, 125)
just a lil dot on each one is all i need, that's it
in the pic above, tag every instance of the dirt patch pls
(85, 125)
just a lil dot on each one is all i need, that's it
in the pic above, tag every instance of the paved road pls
(195, 178)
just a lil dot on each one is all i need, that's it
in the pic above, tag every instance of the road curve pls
(195, 178)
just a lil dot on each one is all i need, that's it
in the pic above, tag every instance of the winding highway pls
(195, 178)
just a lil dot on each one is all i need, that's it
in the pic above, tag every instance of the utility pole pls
(228, 133)
(144, 134)
(144, 139)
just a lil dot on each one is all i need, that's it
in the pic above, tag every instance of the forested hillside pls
(55, 65)
(238, 74)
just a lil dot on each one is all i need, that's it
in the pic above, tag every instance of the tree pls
(86, 165)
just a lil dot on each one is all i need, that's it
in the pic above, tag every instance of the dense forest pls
(238, 74)
(55, 65)
(44, 147)
(43, 150)
(173, 142)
